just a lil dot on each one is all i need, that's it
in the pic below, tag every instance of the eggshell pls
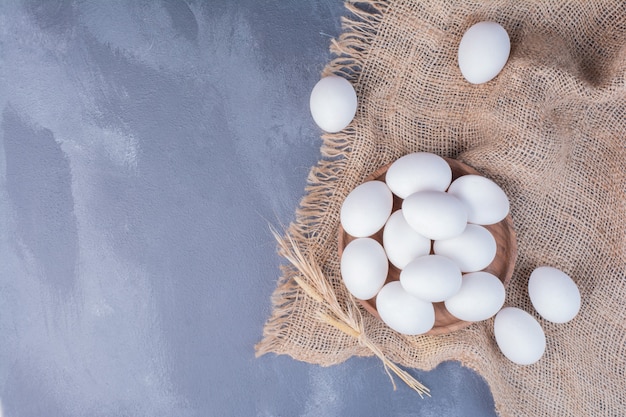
(554, 294)
(418, 171)
(472, 250)
(403, 312)
(403, 244)
(485, 201)
(481, 296)
(366, 209)
(364, 267)
(333, 103)
(519, 336)
(431, 278)
(435, 214)
(483, 52)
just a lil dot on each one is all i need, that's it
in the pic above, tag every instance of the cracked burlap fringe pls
(550, 129)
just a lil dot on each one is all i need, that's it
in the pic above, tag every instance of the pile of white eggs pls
(437, 239)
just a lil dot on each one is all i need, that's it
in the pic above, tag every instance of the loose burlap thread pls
(550, 129)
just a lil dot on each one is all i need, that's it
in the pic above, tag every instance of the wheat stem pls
(311, 279)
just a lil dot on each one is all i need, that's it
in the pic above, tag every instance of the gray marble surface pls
(145, 147)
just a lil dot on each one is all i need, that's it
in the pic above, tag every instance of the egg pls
(554, 294)
(333, 103)
(483, 52)
(366, 209)
(474, 249)
(480, 297)
(403, 312)
(431, 278)
(403, 244)
(364, 267)
(417, 172)
(485, 201)
(519, 336)
(435, 214)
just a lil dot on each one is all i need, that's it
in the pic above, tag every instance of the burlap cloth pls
(550, 129)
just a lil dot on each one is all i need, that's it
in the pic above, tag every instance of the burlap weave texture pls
(550, 129)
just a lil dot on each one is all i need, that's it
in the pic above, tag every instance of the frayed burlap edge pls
(322, 182)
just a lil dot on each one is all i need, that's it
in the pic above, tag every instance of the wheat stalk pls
(313, 282)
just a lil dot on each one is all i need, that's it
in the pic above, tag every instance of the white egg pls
(435, 214)
(481, 296)
(519, 336)
(418, 171)
(474, 249)
(486, 202)
(554, 294)
(366, 209)
(333, 103)
(401, 242)
(483, 52)
(403, 312)
(431, 278)
(364, 267)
